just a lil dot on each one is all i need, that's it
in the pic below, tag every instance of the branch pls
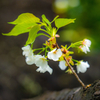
(83, 85)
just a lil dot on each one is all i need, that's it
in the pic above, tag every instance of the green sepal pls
(60, 22)
(69, 71)
(32, 34)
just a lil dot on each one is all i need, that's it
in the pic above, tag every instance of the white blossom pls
(41, 62)
(27, 51)
(82, 66)
(30, 60)
(86, 44)
(85, 49)
(54, 54)
(62, 65)
(43, 70)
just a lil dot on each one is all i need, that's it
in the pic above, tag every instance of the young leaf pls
(32, 34)
(55, 18)
(60, 22)
(25, 18)
(20, 29)
(45, 19)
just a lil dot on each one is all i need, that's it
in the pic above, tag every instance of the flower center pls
(55, 52)
(43, 59)
(84, 42)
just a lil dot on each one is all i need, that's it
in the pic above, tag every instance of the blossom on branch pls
(41, 62)
(85, 45)
(43, 70)
(27, 51)
(30, 58)
(54, 54)
(82, 66)
(62, 65)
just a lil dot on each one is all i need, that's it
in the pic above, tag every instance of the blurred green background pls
(17, 79)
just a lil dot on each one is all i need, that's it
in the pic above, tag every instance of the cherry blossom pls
(41, 62)
(82, 66)
(54, 54)
(27, 51)
(85, 45)
(30, 60)
(43, 70)
(62, 65)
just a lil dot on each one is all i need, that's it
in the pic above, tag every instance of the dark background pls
(17, 79)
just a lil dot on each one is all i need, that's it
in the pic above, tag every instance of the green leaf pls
(55, 18)
(23, 24)
(32, 34)
(25, 18)
(39, 34)
(20, 29)
(45, 19)
(60, 22)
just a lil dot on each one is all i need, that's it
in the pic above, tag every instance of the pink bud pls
(57, 35)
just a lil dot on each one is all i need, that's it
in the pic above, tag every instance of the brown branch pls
(83, 85)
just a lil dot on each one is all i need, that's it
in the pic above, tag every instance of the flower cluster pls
(39, 60)
(56, 55)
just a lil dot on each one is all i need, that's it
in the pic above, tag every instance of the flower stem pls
(83, 85)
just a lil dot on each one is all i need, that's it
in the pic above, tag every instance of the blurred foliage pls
(87, 21)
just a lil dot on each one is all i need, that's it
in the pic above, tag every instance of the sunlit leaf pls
(60, 22)
(25, 18)
(32, 34)
(45, 19)
(23, 24)
(20, 29)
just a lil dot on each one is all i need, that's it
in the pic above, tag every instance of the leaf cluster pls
(27, 22)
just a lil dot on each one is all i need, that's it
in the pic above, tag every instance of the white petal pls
(26, 47)
(59, 53)
(62, 65)
(88, 42)
(51, 53)
(49, 69)
(40, 70)
(40, 61)
(54, 57)
(30, 60)
(54, 54)
(43, 70)
(82, 67)
(27, 51)
(85, 49)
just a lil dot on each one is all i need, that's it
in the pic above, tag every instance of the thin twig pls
(75, 73)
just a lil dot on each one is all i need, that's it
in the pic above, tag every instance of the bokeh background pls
(20, 81)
